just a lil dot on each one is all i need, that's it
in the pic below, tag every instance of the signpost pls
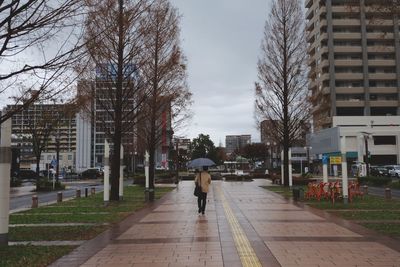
(325, 168)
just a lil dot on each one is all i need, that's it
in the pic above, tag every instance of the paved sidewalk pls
(244, 225)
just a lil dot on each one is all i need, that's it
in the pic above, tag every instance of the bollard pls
(388, 193)
(92, 191)
(78, 193)
(86, 191)
(365, 187)
(59, 197)
(35, 201)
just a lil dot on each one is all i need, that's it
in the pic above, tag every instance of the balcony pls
(380, 49)
(380, 22)
(348, 62)
(345, 9)
(347, 90)
(382, 76)
(349, 76)
(380, 36)
(347, 49)
(381, 62)
(346, 22)
(384, 103)
(350, 103)
(347, 35)
(383, 90)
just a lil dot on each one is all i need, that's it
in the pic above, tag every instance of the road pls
(23, 198)
(381, 192)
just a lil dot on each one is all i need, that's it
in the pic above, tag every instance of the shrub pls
(15, 182)
(374, 181)
(299, 180)
(47, 185)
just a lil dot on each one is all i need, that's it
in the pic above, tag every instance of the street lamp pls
(366, 135)
(269, 153)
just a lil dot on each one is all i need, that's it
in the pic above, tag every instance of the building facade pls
(233, 142)
(354, 60)
(52, 123)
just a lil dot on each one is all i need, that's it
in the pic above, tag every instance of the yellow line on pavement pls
(246, 253)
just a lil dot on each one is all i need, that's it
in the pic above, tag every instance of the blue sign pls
(325, 159)
(53, 163)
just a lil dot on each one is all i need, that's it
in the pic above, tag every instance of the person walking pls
(203, 178)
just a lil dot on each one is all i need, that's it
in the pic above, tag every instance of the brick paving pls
(280, 233)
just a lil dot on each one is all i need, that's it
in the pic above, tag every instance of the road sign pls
(325, 159)
(335, 160)
(53, 163)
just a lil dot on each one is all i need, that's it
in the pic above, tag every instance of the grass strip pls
(32, 256)
(362, 209)
(56, 233)
(391, 229)
(284, 191)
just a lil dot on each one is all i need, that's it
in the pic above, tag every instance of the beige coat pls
(205, 180)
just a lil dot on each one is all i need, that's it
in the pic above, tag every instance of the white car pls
(394, 171)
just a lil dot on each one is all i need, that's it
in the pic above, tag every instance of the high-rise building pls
(354, 60)
(233, 142)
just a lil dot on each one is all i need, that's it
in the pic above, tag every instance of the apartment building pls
(37, 120)
(354, 60)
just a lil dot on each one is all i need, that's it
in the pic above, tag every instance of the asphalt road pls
(24, 200)
(377, 191)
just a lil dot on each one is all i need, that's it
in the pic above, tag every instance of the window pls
(383, 111)
(48, 157)
(384, 140)
(69, 157)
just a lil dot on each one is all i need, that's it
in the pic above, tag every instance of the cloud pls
(222, 42)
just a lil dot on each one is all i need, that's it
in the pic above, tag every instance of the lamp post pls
(269, 154)
(366, 136)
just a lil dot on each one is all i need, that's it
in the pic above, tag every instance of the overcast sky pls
(221, 39)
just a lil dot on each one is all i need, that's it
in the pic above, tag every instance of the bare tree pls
(281, 93)
(39, 40)
(114, 37)
(165, 75)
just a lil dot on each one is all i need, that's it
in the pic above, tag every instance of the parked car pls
(91, 174)
(379, 171)
(394, 170)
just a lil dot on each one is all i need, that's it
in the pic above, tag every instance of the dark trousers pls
(201, 201)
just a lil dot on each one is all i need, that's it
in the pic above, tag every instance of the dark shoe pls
(199, 210)
(202, 212)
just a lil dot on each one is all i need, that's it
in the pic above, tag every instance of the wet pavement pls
(244, 225)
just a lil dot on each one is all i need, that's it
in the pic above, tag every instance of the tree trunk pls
(117, 138)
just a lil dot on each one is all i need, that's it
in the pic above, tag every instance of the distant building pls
(36, 116)
(233, 142)
(93, 123)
